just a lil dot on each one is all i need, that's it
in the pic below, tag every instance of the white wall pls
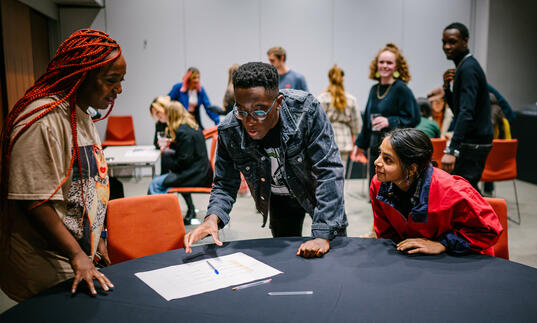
(161, 38)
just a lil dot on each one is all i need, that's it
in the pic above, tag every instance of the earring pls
(377, 75)
(396, 74)
(407, 179)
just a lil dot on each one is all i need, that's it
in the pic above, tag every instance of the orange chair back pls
(439, 144)
(143, 225)
(120, 131)
(501, 248)
(212, 133)
(501, 162)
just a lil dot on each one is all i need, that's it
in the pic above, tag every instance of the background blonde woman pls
(189, 163)
(157, 113)
(229, 96)
(340, 107)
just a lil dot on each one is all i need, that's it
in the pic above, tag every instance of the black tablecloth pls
(358, 280)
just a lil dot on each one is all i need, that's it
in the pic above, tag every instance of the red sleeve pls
(475, 220)
(381, 224)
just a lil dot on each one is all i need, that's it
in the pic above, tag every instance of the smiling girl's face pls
(388, 166)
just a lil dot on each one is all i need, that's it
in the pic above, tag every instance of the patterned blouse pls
(346, 123)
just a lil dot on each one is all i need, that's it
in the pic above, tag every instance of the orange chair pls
(501, 248)
(439, 144)
(119, 131)
(143, 225)
(501, 165)
(210, 133)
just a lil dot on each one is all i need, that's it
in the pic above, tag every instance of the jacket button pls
(299, 159)
(263, 198)
(262, 179)
(263, 158)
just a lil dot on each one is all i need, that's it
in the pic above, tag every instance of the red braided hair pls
(83, 51)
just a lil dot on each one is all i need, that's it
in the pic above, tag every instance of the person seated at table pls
(426, 124)
(54, 183)
(157, 113)
(283, 144)
(424, 209)
(190, 166)
(192, 95)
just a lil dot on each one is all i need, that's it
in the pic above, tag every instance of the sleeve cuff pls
(454, 145)
(454, 244)
(325, 232)
(224, 218)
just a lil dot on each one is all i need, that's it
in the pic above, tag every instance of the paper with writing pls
(197, 277)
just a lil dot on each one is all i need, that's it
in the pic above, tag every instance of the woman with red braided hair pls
(54, 184)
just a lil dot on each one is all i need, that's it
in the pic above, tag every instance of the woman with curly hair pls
(390, 104)
(54, 184)
(340, 108)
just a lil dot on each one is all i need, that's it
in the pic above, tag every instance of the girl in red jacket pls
(424, 209)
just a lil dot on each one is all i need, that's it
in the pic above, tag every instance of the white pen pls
(305, 292)
(261, 282)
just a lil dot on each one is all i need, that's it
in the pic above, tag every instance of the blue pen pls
(215, 270)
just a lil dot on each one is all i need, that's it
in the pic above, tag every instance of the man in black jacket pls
(469, 99)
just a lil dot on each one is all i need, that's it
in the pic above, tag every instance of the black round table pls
(358, 280)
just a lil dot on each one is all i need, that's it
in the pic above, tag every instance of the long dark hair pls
(412, 146)
(82, 52)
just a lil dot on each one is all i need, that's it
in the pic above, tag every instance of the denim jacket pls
(312, 165)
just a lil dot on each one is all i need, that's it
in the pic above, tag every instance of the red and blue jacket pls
(445, 208)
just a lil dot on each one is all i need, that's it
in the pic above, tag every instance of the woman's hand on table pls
(314, 248)
(85, 270)
(208, 227)
(421, 245)
(102, 249)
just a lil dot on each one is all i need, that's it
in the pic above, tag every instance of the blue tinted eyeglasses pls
(259, 115)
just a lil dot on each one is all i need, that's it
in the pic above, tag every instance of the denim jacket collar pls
(420, 199)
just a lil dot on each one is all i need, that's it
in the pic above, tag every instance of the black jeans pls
(471, 162)
(286, 216)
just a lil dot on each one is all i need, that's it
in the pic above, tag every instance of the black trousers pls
(286, 216)
(471, 162)
(374, 151)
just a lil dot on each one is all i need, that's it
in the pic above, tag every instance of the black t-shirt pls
(271, 145)
(403, 200)
(272, 139)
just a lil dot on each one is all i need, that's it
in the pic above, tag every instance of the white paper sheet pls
(198, 277)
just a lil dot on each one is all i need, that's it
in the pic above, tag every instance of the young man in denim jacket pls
(283, 144)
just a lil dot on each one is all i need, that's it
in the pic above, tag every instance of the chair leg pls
(517, 207)
(191, 212)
